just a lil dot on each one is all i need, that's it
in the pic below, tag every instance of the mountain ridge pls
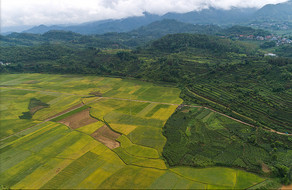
(211, 16)
(206, 16)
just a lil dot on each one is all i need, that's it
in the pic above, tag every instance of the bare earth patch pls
(265, 168)
(79, 119)
(107, 137)
(186, 111)
(96, 93)
(289, 187)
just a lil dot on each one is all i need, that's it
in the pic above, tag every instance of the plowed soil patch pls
(107, 137)
(79, 119)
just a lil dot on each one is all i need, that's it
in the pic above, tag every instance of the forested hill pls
(279, 12)
(170, 26)
(181, 42)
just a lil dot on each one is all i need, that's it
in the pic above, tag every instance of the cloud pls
(35, 12)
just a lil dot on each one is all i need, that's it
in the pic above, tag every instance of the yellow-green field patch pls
(137, 150)
(123, 128)
(217, 176)
(164, 113)
(89, 129)
(43, 174)
(245, 179)
(131, 177)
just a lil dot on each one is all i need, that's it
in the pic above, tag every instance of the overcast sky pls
(36, 12)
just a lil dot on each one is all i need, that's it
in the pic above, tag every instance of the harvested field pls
(107, 137)
(79, 119)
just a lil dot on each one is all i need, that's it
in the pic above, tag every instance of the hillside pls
(169, 26)
(132, 39)
(214, 16)
(280, 12)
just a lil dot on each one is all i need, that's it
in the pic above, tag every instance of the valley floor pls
(97, 132)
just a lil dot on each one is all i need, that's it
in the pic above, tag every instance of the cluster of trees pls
(33, 106)
(219, 142)
(284, 51)
(178, 42)
(243, 30)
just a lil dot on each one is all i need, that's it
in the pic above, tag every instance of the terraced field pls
(279, 104)
(66, 145)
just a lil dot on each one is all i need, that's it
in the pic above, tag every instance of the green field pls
(46, 154)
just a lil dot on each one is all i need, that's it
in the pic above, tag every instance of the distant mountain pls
(214, 16)
(121, 25)
(207, 16)
(170, 26)
(41, 29)
(10, 29)
(279, 12)
(211, 16)
(101, 27)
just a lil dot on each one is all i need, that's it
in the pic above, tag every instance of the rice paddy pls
(44, 153)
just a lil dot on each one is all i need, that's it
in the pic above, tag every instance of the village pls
(279, 40)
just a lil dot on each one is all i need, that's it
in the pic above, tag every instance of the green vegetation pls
(284, 51)
(201, 138)
(33, 106)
